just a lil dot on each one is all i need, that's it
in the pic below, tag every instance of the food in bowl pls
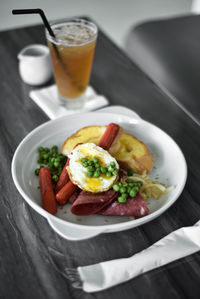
(130, 152)
(92, 168)
(105, 173)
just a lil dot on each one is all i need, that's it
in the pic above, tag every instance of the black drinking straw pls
(35, 11)
(44, 19)
(48, 27)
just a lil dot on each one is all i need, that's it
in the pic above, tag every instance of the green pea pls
(133, 192)
(42, 154)
(56, 164)
(54, 148)
(46, 149)
(96, 174)
(130, 172)
(37, 170)
(89, 174)
(122, 190)
(46, 156)
(97, 166)
(136, 189)
(90, 168)
(50, 164)
(90, 163)
(116, 187)
(104, 169)
(110, 168)
(85, 164)
(115, 172)
(108, 174)
(40, 149)
(121, 199)
(55, 178)
(129, 189)
(112, 164)
(124, 195)
(95, 160)
(83, 160)
(57, 159)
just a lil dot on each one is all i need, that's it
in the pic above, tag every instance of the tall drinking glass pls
(72, 51)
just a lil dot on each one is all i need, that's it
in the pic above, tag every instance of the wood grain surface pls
(33, 257)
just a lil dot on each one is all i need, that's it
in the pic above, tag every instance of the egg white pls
(77, 171)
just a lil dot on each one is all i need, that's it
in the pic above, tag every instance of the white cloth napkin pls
(47, 99)
(176, 245)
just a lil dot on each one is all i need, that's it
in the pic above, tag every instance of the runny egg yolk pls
(93, 183)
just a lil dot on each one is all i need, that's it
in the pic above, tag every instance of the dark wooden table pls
(32, 255)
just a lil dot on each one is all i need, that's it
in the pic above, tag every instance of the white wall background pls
(115, 17)
(195, 6)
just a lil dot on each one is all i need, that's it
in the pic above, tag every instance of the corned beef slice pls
(135, 207)
(88, 203)
(74, 196)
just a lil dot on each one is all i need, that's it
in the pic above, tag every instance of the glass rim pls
(59, 41)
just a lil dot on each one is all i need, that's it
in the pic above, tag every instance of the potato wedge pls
(134, 154)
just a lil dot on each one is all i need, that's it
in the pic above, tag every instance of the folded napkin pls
(98, 277)
(47, 99)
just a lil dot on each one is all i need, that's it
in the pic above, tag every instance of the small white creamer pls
(35, 66)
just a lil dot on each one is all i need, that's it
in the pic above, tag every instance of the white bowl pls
(170, 166)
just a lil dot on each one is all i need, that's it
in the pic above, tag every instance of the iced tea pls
(72, 52)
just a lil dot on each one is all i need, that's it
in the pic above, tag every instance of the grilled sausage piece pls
(47, 192)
